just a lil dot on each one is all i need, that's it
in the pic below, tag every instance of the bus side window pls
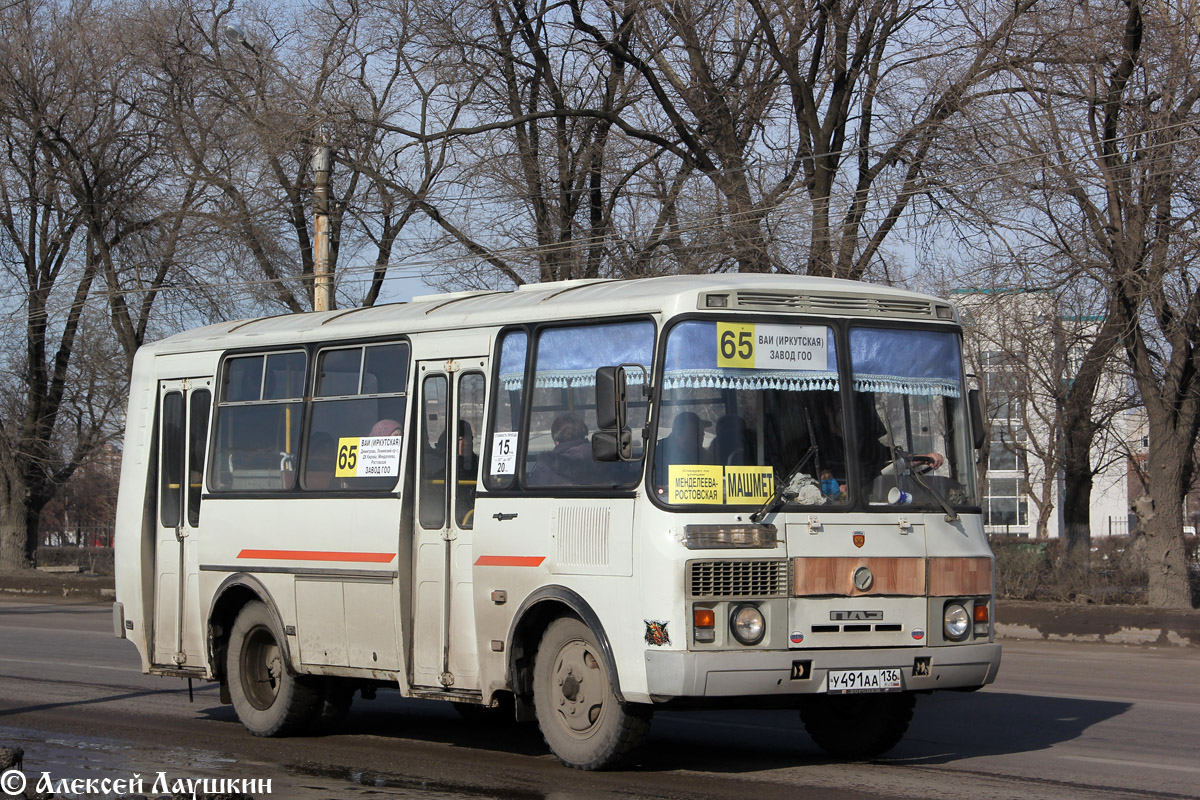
(562, 414)
(201, 401)
(356, 425)
(432, 511)
(259, 414)
(470, 420)
(500, 468)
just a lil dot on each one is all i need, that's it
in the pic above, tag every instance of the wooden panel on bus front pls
(955, 577)
(812, 577)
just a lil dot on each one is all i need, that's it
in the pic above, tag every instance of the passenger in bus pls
(732, 444)
(321, 463)
(684, 445)
(386, 427)
(570, 462)
(467, 458)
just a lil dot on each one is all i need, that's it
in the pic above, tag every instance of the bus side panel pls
(581, 544)
(330, 564)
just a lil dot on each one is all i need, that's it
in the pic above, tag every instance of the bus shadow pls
(947, 727)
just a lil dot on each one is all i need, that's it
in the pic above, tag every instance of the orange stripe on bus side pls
(318, 555)
(509, 561)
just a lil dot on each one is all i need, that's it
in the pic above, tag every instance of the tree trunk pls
(1077, 503)
(1168, 585)
(15, 553)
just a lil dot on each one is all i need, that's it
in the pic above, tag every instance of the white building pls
(1024, 352)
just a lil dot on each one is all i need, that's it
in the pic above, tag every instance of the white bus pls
(587, 500)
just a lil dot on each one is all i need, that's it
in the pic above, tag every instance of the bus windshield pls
(746, 405)
(913, 446)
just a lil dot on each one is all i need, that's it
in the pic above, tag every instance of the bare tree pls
(55, 106)
(1101, 155)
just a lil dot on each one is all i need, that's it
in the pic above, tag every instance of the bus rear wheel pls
(857, 725)
(578, 713)
(269, 699)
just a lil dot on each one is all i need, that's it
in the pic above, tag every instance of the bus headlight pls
(703, 537)
(747, 624)
(957, 622)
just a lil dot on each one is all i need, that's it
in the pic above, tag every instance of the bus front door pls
(183, 409)
(450, 407)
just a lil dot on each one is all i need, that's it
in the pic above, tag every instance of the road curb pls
(1126, 625)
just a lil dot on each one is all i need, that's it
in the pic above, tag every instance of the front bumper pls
(727, 673)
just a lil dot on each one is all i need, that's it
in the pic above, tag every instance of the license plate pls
(864, 680)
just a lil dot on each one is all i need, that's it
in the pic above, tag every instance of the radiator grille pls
(738, 578)
(832, 303)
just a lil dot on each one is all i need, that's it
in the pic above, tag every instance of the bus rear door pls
(183, 411)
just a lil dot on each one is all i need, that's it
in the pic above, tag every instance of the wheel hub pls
(580, 683)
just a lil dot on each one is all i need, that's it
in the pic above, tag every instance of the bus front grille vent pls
(835, 304)
(764, 578)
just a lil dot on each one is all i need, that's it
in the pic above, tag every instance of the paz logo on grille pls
(860, 538)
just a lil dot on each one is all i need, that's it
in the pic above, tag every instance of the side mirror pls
(612, 404)
(612, 446)
(975, 409)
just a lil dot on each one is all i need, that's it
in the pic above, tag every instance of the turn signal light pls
(704, 621)
(981, 611)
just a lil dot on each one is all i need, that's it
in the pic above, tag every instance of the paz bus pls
(578, 501)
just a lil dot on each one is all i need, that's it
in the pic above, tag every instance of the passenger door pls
(183, 411)
(450, 401)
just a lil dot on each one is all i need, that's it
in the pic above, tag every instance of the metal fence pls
(80, 536)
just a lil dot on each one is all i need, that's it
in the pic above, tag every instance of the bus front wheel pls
(268, 698)
(857, 725)
(578, 713)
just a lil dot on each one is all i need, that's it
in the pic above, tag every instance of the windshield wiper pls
(783, 491)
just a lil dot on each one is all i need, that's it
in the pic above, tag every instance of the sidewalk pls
(1015, 619)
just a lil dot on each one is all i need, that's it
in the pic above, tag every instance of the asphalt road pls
(1063, 721)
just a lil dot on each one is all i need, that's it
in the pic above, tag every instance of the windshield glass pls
(907, 400)
(744, 404)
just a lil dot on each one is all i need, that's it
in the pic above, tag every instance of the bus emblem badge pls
(656, 633)
(860, 538)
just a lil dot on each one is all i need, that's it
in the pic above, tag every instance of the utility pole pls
(322, 164)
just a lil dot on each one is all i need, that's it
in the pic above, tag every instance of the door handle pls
(503, 517)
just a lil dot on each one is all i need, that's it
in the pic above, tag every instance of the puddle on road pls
(68, 758)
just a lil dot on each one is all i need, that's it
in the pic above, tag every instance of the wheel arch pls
(529, 623)
(230, 597)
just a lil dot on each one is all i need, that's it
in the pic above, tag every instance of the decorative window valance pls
(569, 356)
(905, 362)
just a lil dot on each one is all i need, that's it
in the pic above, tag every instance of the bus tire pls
(268, 698)
(857, 725)
(579, 715)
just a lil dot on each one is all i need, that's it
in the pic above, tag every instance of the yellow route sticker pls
(712, 484)
(735, 345)
(694, 483)
(745, 485)
(368, 457)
